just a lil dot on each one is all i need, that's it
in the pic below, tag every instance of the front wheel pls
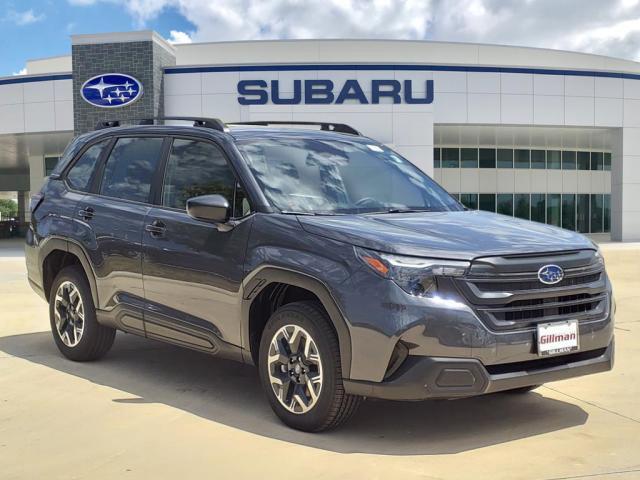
(300, 370)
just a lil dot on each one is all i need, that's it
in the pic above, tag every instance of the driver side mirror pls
(210, 208)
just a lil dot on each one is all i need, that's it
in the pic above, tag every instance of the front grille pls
(506, 298)
(501, 286)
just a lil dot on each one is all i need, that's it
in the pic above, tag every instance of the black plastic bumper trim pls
(438, 377)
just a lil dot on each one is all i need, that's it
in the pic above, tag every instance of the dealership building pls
(547, 135)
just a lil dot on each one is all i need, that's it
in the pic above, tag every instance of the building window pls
(596, 214)
(50, 164)
(568, 160)
(553, 209)
(606, 201)
(521, 159)
(469, 157)
(469, 200)
(569, 211)
(436, 158)
(487, 158)
(538, 159)
(521, 205)
(582, 213)
(488, 202)
(538, 207)
(584, 159)
(505, 158)
(607, 161)
(450, 157)
(553, 160)
(505, 204)
(597, 160)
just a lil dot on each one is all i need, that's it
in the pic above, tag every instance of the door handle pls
(86, 213)
(156, 228)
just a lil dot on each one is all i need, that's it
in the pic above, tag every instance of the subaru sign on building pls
(111, 90)
(546, 135)
(319, 92)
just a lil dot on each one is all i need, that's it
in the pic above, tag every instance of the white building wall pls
(35, 106)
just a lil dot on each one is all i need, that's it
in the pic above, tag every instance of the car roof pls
(236, 132)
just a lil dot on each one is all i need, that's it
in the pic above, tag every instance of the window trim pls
(158, 185)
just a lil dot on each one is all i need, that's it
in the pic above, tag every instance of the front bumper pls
(422, 378)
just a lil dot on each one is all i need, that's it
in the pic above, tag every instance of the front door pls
(192, 269)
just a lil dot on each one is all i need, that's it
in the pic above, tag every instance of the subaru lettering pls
(258, 92)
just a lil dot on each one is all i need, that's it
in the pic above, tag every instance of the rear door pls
(113, 215)
(193, 269)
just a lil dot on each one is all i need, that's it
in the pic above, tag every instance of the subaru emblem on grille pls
(550, 274)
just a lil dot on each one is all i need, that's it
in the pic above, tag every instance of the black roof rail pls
(328, 126)
(212, 123)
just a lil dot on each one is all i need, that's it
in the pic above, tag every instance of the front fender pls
(265, 275)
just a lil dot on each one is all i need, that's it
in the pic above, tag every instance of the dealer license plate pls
(557, 338)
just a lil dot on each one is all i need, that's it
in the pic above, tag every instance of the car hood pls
(455, 235)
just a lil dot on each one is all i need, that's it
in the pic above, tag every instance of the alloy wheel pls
(69, 314)
(295, 369)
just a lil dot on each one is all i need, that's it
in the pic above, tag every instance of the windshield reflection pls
(319, 176)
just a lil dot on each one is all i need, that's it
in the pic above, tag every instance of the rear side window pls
(130, 167)
(200, 168)
(79, 177)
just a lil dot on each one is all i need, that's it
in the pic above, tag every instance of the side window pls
(79, 177)
(130, 167)
(200, 168)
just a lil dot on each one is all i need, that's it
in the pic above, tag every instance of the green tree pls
(8, 209)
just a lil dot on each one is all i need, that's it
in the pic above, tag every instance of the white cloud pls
(24, 18)
(22, 71)
(176, 36)
(609, 27)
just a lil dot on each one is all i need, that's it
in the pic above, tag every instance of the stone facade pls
(143, 60)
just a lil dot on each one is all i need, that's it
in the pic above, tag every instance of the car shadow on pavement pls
(229, 393)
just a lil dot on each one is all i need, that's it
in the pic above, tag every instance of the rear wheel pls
(72, 313)
(300, 369)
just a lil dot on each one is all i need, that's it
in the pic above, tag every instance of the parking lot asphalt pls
(154, 411)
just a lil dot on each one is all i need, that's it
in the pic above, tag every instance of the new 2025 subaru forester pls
(321, 256)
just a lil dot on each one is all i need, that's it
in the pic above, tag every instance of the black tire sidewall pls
(82, 349)
(294, 314)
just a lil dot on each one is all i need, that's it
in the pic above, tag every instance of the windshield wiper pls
(309, 214)
(404, 210)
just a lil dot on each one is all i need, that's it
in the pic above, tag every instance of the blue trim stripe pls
(431, 68)
(43, 78)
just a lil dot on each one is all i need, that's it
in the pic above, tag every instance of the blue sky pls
(40, 28)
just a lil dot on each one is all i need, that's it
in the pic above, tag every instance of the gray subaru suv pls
(319, 255)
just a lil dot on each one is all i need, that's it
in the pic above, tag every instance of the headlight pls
(415, 275)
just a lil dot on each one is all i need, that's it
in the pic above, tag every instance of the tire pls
(332, 406)
(521, 390)
(81, 341)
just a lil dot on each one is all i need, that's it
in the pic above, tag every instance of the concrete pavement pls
(150, 410)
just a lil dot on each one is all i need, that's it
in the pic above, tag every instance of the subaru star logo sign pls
(550, 274)
(111, 90)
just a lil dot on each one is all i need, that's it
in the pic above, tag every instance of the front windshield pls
(324, 176)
